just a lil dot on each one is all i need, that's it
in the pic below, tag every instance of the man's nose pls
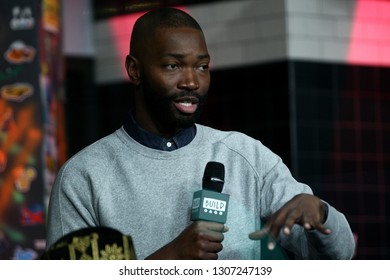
(189, 80)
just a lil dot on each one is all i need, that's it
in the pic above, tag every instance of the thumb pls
(259, 234)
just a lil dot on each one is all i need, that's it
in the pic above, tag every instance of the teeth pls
(185, 104)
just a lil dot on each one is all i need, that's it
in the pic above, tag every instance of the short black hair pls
(165, 17)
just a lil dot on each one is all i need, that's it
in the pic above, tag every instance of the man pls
(140, 180)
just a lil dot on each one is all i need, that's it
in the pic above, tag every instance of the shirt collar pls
(181, 139)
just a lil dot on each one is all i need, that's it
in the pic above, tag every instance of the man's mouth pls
(186, 105)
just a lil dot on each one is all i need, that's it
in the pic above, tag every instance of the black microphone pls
(210, 204)
(214, 176)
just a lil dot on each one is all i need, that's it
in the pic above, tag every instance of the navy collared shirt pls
(182, 138)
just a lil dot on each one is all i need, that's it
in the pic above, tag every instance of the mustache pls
(192, 94)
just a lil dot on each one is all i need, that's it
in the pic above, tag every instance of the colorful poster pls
(30, 113)
(51, 15)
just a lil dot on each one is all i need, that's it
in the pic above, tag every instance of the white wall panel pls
(78, 29)
(243, 32)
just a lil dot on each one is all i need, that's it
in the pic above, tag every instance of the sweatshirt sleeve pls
(279, 186)
(70, 206)
(339, 244)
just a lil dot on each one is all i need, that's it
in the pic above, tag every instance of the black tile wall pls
(343, 131)
(253, 100)
(80, 103)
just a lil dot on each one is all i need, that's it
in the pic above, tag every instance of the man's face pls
(174, 80)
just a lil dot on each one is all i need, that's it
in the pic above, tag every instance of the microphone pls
(209, 204)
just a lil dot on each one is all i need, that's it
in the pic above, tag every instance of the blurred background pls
(308, 78)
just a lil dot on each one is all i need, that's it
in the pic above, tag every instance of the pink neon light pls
(121, 28)
(370, 38)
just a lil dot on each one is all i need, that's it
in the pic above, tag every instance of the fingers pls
(264, 234)
(200, 240)
(208, 239)
(271, 243)
(212, 226)
(211, 247)
(307, 221)
(260, 234)
(304, 209)
(319, 227)
(211, 231)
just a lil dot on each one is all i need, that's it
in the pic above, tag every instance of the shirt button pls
(169, 144)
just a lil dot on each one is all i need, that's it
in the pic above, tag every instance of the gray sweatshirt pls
(147, 194)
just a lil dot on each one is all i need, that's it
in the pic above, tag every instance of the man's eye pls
(171, 66)
(204, 67)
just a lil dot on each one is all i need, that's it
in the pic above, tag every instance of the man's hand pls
(200, 240)
(303, 209)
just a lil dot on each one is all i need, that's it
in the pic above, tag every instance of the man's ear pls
(132, 69)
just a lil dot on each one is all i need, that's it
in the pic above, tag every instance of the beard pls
(160, 106)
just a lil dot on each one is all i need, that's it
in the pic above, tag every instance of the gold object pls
(95, 243)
